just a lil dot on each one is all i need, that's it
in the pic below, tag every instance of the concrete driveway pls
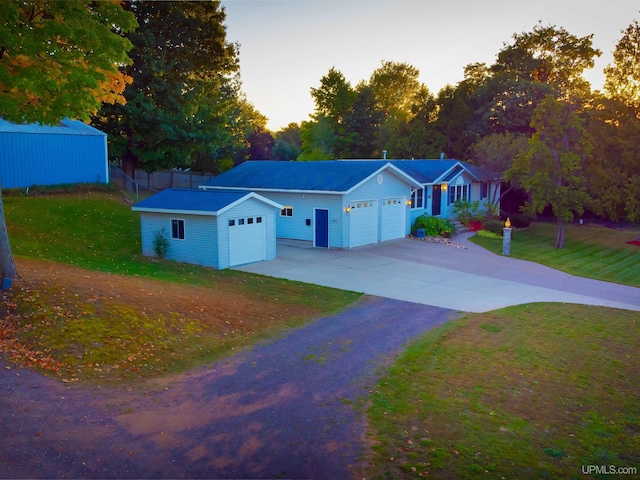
(468, 279)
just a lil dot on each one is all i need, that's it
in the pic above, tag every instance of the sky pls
(287, 46)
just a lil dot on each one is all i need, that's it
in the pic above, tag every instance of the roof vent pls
(441, 155)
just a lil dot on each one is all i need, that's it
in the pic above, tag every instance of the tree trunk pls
(7, 265)
(129, 164)
(560, 236)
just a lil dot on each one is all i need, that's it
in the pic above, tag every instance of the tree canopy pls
(183, 92)
(62, 59)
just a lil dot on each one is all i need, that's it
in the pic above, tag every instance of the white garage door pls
(247, 240)
(363, 223)
(393, 216)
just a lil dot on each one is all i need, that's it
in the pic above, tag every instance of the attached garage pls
(363, 223)
(393, 218)
(213, 228)
(332, 204)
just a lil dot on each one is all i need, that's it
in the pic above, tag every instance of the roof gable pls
(442, 170)
(196, 201)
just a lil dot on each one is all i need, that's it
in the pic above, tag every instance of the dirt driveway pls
(282, 410)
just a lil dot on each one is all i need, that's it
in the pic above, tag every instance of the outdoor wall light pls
(409, 202)
(444, 187)
(347, 210)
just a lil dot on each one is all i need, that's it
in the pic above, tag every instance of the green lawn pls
(589, 251)
(79, 332)
(533, 391)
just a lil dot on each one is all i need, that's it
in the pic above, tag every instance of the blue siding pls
(295, 227)
(206, 239)
(200, 238)
(28, 159)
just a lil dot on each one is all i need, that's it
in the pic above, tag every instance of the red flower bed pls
(474, 226)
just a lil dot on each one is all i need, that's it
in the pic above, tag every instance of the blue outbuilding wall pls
(71, 152)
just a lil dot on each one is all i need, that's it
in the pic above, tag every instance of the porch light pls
(444, 187)
(347, 210)
(409, 202)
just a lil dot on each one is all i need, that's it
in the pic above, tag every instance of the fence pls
(128, 184)
(170, 179)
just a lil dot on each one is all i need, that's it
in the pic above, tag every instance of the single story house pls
(214, 228)
(34, 154)
(444, 182)
(349, 203)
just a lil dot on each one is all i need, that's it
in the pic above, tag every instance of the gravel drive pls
(281, 410)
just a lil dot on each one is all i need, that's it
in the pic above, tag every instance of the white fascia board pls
(408, 178)
(248, 196)
(171, 211)
(273, 190)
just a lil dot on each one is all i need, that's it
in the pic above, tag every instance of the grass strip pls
(533, 391)
(589, 251)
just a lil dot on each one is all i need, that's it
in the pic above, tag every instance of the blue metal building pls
(33, 154)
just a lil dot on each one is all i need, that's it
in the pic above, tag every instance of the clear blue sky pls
(286, 46)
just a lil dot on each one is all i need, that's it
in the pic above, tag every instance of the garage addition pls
(214, 228)
(333, 204)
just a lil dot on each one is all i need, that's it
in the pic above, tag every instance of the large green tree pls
(551, 169)
(612, 170)
(622, 78)
(182, 85)
(58, 59)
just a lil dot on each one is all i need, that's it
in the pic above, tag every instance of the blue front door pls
(322, 228)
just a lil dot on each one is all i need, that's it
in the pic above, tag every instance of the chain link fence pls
(128, 185)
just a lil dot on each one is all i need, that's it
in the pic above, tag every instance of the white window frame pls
(287, 211)
(415, 205)
(179, 221)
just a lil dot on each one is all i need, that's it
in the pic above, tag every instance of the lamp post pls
(506, 238)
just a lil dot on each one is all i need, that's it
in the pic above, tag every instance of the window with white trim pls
(417, 198)
(459, 192)
(287, 211)
(484, 189)
(177, 229)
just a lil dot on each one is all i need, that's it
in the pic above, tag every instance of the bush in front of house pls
(487, 234)
(494, 226)
(160, 242)
(467, 211)
(520, 220)
(434, 226)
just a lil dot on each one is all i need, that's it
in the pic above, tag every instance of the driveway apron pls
(469, 278)
(284, 409)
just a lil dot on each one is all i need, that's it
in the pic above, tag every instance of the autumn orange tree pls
(59, 59)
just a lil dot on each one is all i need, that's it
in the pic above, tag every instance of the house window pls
(287, 211)
(484, 189)
(417, 199)
(250, 221)
(177, 229)
(241, 221)
(232, 222)
(258, 219)
(458, 192)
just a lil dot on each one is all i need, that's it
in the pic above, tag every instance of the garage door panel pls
(393, 218)
(247, 243)
(363, 223)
